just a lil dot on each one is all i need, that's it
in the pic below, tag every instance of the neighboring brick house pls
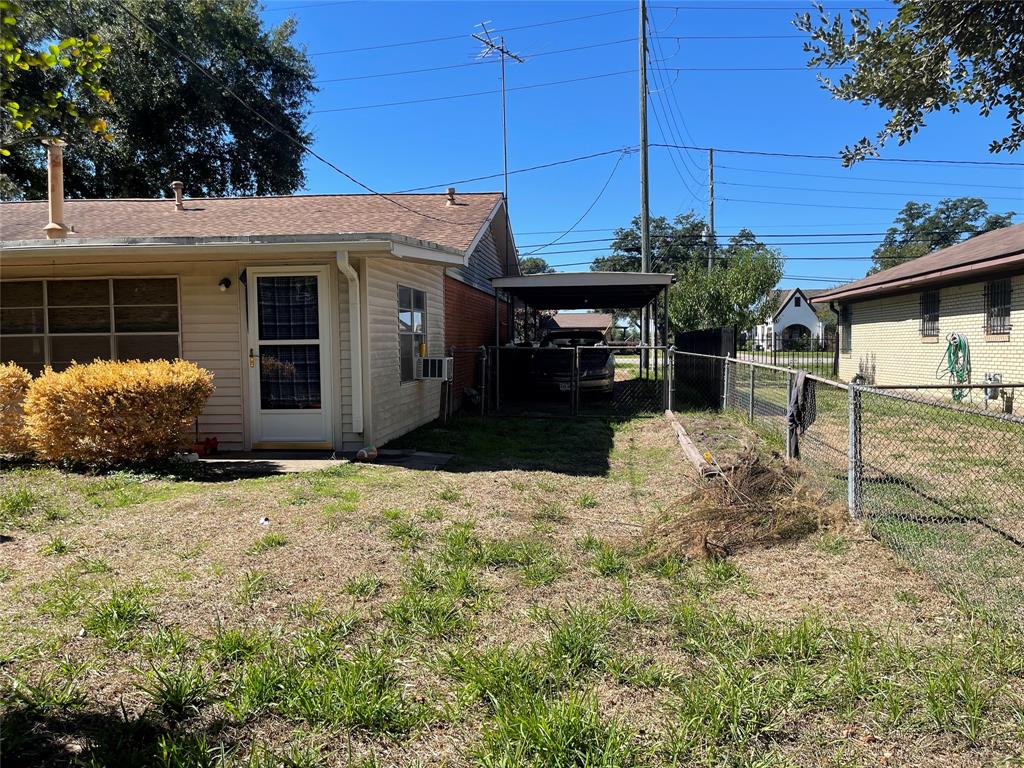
(894, 324)
(469, 318)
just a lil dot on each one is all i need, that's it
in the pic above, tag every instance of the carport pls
(531, 294)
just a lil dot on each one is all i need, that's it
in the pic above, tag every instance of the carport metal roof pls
(586, 290)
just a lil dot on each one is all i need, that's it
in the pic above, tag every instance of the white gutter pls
(355, 333)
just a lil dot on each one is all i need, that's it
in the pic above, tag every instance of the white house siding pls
(211, 328)
(399, 407)
(484, 264)
(887, 346)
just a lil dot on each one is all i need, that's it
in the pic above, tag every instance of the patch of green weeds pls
(608, 561)
(365, 585)
(436, 599)
(832, 544)
(268, 542)
(450, 493)
(405, 533)
(167, 641)
(551, 512)
(177, 690)
(586, 501)
(117, 618)
(576, 641)
(59, 545)
(231, 645)
(251, 586)
(18, 503)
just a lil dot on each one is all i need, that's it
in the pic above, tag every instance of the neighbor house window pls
(412, 327)
(55, 322)
(796, 301)
(845, 328)
(997, 306)
(930, 313)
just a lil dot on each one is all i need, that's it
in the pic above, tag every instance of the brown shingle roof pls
(999, 249)
(452, 226)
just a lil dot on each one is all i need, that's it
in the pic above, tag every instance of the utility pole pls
(492, 47)
(645, 203)
(711, 206)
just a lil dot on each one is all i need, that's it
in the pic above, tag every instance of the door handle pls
(252, 359)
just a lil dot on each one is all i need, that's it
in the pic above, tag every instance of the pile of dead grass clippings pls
(754, 502)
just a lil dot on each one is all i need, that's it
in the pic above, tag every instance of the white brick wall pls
(887, 344)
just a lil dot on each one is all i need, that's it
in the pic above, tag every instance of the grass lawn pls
(498, 613)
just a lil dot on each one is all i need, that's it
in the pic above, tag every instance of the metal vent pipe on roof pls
(451, 196)
(55, 188)
(179, 204)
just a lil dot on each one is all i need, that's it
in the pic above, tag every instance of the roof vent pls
(55, 188)
(179, 204)
(451, 196)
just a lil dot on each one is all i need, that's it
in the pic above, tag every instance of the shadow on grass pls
(487, 444)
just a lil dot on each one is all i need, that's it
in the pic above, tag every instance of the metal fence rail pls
(935, 473)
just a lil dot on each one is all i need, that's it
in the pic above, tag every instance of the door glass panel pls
(288, 307)
(290, 376)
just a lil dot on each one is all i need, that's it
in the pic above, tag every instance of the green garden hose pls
(956, 364)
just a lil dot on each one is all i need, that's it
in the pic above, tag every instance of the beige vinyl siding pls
(400, 407)
(211, 329)
(887, 346)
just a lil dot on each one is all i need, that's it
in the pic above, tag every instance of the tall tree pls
(736, 290)
(534, 265)
(47, 89)
(167, 119)
(921, 229)
(931, 55)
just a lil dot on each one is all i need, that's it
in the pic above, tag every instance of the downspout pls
(356, 338)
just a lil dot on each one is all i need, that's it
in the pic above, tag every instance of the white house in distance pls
(795, 321)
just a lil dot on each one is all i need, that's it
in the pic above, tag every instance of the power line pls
(278, 129)
(801, 156)
(760, 236)
(428, 40)
(807, 205)
(872, 178)
(472, 93)
(465, 64)
(853, 191)
(600, 194)
(542, 166)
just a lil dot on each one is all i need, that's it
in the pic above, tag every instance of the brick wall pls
(888, 348)
(468, 325)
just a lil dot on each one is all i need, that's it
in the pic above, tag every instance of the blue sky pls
(717, 86)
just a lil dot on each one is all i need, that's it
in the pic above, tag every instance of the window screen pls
(412, 328)
(846, 328)
(57, 322)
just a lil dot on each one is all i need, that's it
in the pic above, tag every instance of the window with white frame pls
(56, 322)
(412, 328)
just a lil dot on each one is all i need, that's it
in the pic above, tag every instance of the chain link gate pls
(638, 385)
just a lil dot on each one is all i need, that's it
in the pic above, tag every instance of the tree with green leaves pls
(931, 55)
(168, 120)
(920, 229)
(736, 290)
(51, 87)
(534, 265)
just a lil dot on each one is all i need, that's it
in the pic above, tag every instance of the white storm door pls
(290, 362)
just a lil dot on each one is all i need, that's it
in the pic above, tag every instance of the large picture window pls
(412, 328)
(57, 322)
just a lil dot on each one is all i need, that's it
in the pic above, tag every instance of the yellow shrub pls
(14, 383)
(107, 413)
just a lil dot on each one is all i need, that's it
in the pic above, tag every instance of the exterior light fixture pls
(224, 284)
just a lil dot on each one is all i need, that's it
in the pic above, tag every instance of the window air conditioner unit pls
(441, 368)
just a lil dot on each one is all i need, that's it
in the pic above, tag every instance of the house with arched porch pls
(794, 324)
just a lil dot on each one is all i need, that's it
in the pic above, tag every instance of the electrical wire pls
(804, 156)
(854, 191)
(471, 94)
(870, 178)
(600, 194)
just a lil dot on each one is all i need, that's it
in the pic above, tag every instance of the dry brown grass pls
(189, 548)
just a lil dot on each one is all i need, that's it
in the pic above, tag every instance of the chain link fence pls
(935, 472)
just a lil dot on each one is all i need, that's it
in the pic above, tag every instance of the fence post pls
(854, 467)
(789, 415)
(751, 403)
(725, 384)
